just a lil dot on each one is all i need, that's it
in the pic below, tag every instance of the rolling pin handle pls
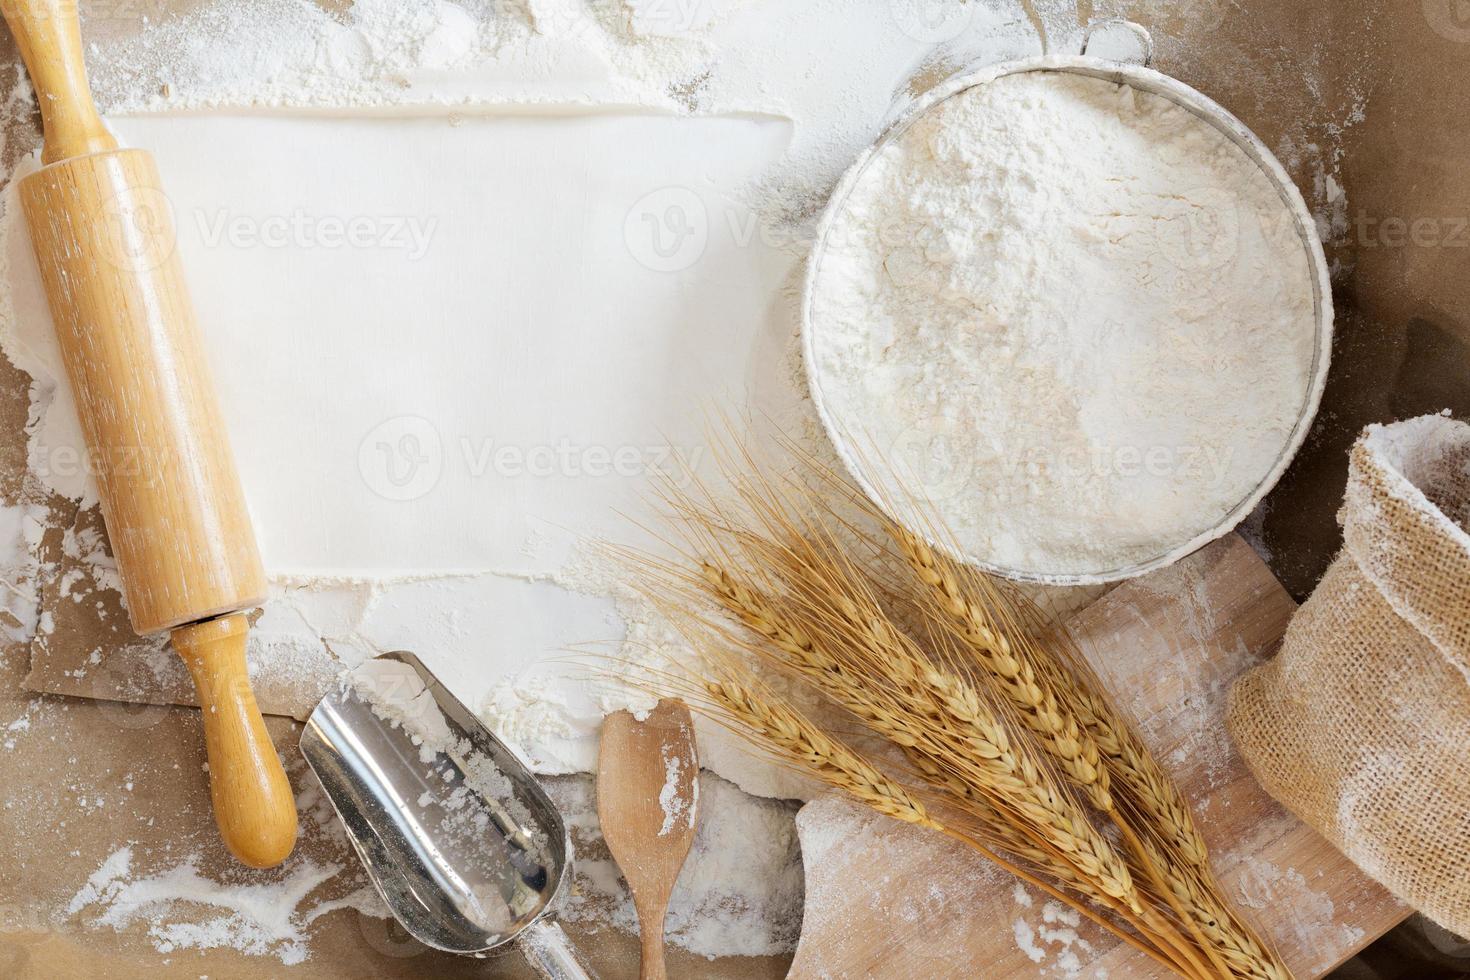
(180, 529)
(252, 797)
(50, 42)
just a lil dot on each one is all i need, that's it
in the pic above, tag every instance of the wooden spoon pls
(648, 801)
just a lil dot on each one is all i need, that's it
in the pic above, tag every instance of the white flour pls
(727, 108)
(740, 890)
(263, 919)
(1077, 317)
(827, 74)
(678, 809)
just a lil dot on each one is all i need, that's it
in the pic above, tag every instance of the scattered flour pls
(1053, 942)
(1026, 941)
(1076, 316)
(258, 919)
(470, 793)
(1261, 883)
(740, 61)
(741, 888)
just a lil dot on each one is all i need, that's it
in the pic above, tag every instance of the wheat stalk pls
(935, 714)
(992, 719)
(786, 731)
(796, 737)
(1070, 849)
(1087, 736)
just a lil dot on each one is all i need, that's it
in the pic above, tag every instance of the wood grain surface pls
(175, 511)
(885, 900)
(640, 762)
(252, 798)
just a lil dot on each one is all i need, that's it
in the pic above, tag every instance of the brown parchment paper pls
(1399, 75)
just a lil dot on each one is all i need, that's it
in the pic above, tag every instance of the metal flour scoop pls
(456, 834)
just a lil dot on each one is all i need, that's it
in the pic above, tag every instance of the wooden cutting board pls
(886, 900)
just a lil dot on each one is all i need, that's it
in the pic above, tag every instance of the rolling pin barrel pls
(172, 500)
(103, 235)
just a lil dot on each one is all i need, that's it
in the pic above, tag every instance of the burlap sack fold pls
(1361, 724)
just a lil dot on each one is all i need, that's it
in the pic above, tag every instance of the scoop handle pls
(549, 952)
(253, 804)
(49, 37)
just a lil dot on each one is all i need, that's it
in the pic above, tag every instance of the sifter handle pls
(49, 37)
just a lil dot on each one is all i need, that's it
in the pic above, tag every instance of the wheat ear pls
(1013, 675)
(1247, 956)
(795, 737)
(1070, 848)
(910, 686)
(1011, 669)
(1031, 681)
(1185, 861)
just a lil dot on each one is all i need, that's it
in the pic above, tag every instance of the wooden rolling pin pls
(171, 498)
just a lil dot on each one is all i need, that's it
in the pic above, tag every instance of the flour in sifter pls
(1076, 318)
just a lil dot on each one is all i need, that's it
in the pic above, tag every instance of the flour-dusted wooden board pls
(885, 900)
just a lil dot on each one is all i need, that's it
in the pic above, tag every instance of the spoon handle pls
(547, 948)
(651, 936)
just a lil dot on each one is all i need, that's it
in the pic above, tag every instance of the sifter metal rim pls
(1156, 83)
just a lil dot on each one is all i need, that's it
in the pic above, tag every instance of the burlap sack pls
(1361, 724)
